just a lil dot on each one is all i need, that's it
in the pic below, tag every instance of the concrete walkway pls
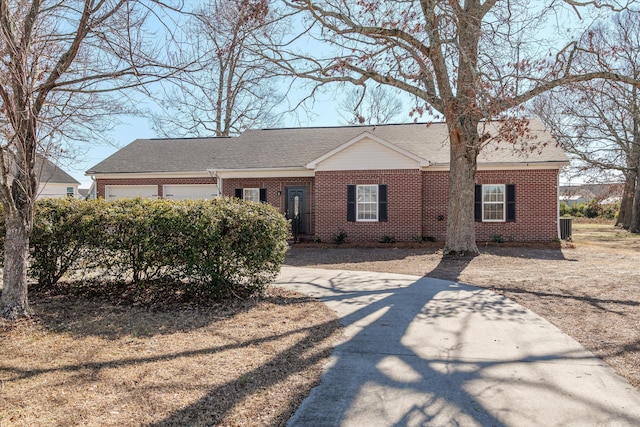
(424, 352)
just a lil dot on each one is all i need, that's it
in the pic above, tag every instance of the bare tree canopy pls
(467, 61)
(375, 106)
(65, 66)
(231, 88)
(598, 122)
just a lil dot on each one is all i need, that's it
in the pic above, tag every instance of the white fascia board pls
(262, 173)
(505, 166)
(124, 175)
(421, 162)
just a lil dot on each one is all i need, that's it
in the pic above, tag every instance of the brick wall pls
(417, 202)
(536, 205)
(100, 183)
(276, 193)
(404, 204)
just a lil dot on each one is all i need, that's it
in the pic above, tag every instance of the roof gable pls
(367, 151)
(49, 173)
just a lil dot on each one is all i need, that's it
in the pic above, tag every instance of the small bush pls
(388, 239)
(497, 238)
(420, 239)
(234, 247)
(340, 237)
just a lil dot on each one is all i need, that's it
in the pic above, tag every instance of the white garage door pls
(190, 192)
(113, 192)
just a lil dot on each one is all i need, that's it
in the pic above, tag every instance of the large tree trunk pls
(461, 233)
(14, 302)
(634, 225)
(626, 205)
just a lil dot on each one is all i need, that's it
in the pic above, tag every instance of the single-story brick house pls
(370, 181)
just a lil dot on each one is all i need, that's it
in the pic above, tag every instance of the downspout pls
(214, 174)
(558, 205)
(423, 201)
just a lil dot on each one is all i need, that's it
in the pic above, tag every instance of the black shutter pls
(239, 193)
(263, 195)
(477, 212)
(351, 203)
(511, 203)
(382, 203)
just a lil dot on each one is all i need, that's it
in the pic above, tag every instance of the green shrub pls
(388, 239)
(340, 237)
(139, 238)
(64, 231)
(217, 249)
(590, 209)
(235, 247)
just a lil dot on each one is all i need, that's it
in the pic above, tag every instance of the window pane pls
(251, 194)
(493, 202)
(493, 211)
(367, 205)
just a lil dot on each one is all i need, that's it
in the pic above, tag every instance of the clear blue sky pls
(325, 113)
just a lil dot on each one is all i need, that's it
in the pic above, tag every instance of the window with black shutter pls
(367, 203)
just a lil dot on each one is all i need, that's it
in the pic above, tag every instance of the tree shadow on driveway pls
(420, 351)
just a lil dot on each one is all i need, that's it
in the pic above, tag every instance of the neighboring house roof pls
(299, 147)
(52, 174)
(599, 192)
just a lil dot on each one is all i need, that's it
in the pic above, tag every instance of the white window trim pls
(377, 203)
(244, 194)
(504, 203)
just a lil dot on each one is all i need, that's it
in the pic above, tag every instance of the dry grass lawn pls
(91, 363)
(89, 360)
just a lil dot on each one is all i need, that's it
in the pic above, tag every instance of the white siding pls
(56, 190)
(113, 192)
(364, 155)
(190, 192)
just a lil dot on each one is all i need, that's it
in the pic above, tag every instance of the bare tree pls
(598, 122)
(374, 106)
(64, 66)
(470, 60)
(231, 89)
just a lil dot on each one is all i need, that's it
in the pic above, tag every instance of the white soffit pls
(261, 173)
(367, 151)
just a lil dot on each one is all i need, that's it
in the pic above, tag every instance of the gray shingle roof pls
(50, 173)
(295, 147)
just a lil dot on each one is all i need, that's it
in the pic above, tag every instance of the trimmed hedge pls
(65, 232)
(215, 249)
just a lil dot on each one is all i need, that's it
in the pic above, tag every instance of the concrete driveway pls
(425, 352)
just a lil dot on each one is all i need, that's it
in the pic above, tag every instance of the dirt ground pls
(590, 291)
